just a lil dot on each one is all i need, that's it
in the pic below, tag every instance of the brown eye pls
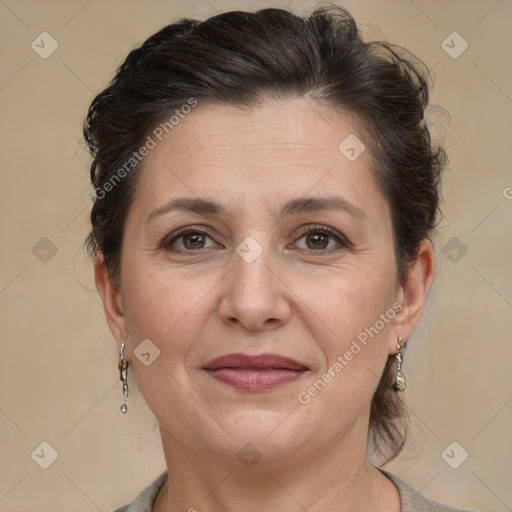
(319, 238)
(188, 240)
(193, 240)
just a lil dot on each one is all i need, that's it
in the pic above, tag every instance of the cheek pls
(359, 316)
(152, 295)
(354, 301)
(355, 350)
(169, 312)
(163, 308)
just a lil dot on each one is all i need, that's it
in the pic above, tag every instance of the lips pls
(255, 373)
(263, 361)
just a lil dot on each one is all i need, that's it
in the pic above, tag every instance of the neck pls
(339, 479)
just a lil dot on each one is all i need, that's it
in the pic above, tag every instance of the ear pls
(413, 293)
(111, 298)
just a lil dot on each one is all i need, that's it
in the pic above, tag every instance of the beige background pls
(58, 374)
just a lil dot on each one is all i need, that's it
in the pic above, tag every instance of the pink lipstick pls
(255, 373)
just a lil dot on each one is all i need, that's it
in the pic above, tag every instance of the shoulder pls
(413, 501)
(145, 500)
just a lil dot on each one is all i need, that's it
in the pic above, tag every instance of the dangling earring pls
(123, 377)
(400, 382)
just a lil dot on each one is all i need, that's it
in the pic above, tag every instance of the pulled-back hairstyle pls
(243, 58)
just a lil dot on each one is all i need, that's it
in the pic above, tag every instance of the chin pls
(271, 435)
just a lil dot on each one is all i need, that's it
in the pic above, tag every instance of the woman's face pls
(292, 256)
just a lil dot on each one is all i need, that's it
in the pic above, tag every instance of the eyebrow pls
(299, 206)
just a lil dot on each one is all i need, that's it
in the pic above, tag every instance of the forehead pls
(274, 152)
(294, 129)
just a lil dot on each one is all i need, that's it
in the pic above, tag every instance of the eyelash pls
(166, 243)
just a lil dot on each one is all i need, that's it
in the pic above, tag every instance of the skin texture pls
(300, 298)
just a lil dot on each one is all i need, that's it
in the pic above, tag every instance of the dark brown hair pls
(242, 58)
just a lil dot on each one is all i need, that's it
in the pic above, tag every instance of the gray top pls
(412, 501)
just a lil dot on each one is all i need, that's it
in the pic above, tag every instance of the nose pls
(254, 295)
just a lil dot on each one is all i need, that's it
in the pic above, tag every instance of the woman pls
(266, 193)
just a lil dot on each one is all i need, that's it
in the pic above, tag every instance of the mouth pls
(255, 373)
